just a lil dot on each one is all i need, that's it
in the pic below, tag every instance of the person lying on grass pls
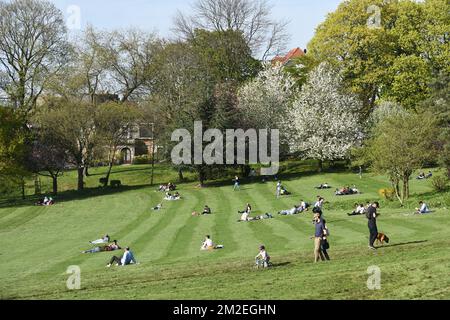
(167, 187)
(170, 197)
(158, 207)
(105, 239)
(245, 217)
(423, 208)
(262, 259)
(208, 244)
(110, 247)
(294, 210)
(127, 258)
(324, 186)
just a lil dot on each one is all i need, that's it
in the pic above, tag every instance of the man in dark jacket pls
(372, 223)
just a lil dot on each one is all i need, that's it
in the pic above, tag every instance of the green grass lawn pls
(38, 244)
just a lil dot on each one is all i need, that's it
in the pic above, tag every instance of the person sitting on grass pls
(111, 247)
(206, 210)
(246, 213)
(262, 259)
(158, 207)
(423, 208)
(294, 210)
(127, 258)
(284, 191)
(304, 206)
(324, 186)
(421, 176)
(358, 210)
(105, 239)
(429, 175)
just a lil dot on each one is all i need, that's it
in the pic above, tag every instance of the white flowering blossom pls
(324, 119)
(266, 100)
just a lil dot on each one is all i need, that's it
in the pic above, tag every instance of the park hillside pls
(40, 243)
(93, 122)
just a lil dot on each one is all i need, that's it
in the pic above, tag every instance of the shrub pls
(387, 193)
(439, 183)
(102, 181)
(144, 159)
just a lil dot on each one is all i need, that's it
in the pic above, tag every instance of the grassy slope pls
(38, 244)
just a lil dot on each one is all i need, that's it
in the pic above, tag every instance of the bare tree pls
(130, 55)
(263, 34)
(32, 47)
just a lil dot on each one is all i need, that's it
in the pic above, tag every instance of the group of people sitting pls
(245, 215)
(126, 259)
(167, 187)
(422, 175)
(171, 197)
(208, 244)
(206, 210)
(346, 191)
(359, 209)
(46, 201)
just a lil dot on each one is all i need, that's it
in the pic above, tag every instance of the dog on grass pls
(382, 238)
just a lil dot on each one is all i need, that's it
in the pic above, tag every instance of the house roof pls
(294, 53)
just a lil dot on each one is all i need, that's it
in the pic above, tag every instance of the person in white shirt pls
(105, 239)
(319, 202)
(207, 244)
(279, 189)
(423, 208)
(262, 259)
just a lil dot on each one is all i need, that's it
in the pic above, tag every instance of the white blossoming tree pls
(266, 101)
(324, 119)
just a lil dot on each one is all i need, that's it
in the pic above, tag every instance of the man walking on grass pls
(372, 223)
(320, 231)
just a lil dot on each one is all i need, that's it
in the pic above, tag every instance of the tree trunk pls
(22, 185)
(320, 168)
(80, 178)
(396, 187)
(86, 170)
(105, 183)
(55, 184)
(201, 176)
(180, 175)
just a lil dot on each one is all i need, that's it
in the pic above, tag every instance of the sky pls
(157, 15)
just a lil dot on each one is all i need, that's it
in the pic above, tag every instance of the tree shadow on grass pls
(71, 195)
(403, 244)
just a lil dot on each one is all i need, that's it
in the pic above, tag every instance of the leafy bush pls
(387, 193)
(439, 183)
(144, 159)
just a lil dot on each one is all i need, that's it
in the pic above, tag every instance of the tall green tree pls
(399, 145)
(73, 124)
(198, 81)
(386, 49)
